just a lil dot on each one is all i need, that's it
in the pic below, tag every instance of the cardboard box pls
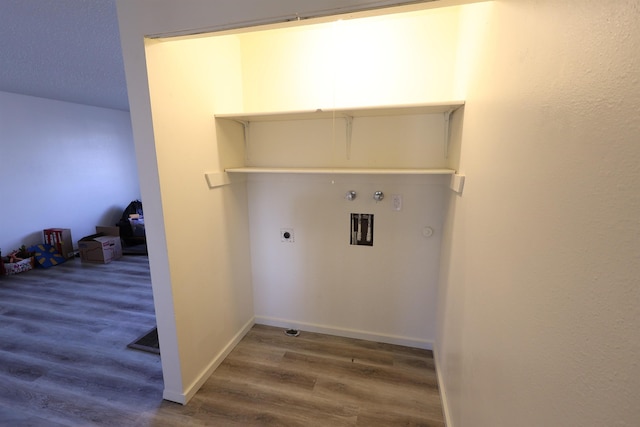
(59, 238)
(101, 247)
(108, 230)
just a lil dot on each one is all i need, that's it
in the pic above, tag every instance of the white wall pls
(206, 229)
(402, 58)
(321, 282)
(386, 293)
(183, 326)
(62, 165)
(540, 315)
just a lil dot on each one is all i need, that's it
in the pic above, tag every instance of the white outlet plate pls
(286, 235)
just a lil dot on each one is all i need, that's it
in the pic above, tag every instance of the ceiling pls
(67, 50)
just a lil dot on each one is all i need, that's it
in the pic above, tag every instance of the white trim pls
(217, 179)
(443, 394)
(341, 171)
(364, 8)
(343, 332)
(457, 183)
(348, 112)
(174, 397)
(184, 397)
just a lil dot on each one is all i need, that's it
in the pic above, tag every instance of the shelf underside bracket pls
(349, 123)
(447, 127)
(245, 126)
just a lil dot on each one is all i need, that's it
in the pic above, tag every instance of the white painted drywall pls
(320, 282)
(539, 299)
(540, 313)
(352, 62)
(183, 326)
(206, 229)
(62, 165)
(387, 292)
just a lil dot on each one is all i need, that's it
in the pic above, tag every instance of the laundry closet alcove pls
(283, 121)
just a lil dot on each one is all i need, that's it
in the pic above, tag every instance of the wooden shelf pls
(446, 108)
(343, 171)
(396, 110)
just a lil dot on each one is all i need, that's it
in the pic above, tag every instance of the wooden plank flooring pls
(64, 362)
(63, 337)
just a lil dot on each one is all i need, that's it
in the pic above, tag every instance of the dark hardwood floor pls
(63, 338)
(64, 361)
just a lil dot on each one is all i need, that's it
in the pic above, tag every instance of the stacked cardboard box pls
(102, 247)
(60, 238)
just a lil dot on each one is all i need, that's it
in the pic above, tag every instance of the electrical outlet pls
(396, 202)
(286, 235)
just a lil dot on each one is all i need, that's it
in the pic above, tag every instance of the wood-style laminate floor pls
(64, 362)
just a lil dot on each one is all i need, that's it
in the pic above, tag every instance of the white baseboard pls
(190, 391)
(343, 332)
(443, 393)
(174, 397)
